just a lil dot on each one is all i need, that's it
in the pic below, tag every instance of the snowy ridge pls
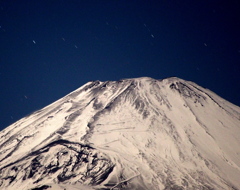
(138, 133)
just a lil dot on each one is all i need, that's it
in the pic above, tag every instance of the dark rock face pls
(43, 187)
(60, 160)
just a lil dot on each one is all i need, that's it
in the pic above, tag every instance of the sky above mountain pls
(50, 48)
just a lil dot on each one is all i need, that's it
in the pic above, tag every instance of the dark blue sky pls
(50, 48)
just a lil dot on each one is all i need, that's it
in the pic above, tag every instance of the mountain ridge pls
(139, 133)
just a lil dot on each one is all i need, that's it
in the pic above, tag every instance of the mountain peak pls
(138, 133)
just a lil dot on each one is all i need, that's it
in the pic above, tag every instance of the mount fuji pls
(140, 133)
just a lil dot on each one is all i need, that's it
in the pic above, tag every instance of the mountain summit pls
(130, 134)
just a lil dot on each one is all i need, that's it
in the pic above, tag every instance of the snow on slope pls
(131, 134)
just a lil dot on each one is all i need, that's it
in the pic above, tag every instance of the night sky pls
(49, 48)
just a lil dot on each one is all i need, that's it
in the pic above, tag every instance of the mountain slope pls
(131, 134)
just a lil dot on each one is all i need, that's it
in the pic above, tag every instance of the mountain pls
(137, 133)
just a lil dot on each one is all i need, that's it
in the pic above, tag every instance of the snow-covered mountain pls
(138, 134)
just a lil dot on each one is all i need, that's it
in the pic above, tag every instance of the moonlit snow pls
(138, 134)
